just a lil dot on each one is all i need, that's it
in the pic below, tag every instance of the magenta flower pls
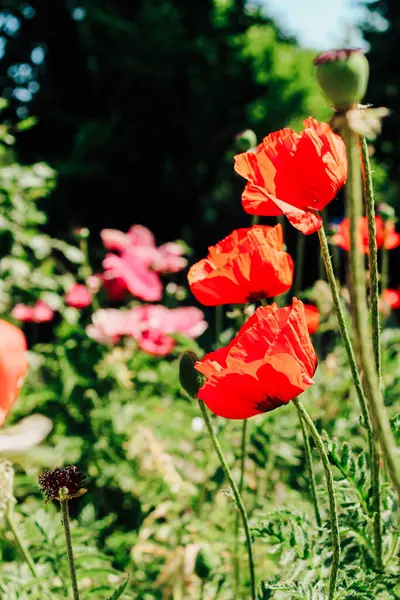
(155, 343)
(78, 296)
(134, 274)
(40, 312)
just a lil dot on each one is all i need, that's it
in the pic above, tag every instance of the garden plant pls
(144, 460)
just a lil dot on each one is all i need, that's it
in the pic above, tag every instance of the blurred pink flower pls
(169, 258)
(148, 324)
(139, 243)
(78, 296)
(109, 324)
(134, 274)
(155, 342)
(41, 312)
(94, 282)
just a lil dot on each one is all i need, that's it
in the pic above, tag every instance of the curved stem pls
(372, 389)
(331, 495)
(375, 321)
(373, 452)
(313, 488)
(344, 332)
(243, 452)
(18, 539)
(68, 541)
(236, 495)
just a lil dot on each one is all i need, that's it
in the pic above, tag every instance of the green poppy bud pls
(191, 380)
(205, 563)
(343, 76)
(245, 140)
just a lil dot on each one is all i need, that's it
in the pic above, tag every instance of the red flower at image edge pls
(269, 362)
(313, 317)
(294, 174)
(247, 265)
(386, 235)
(13, 365)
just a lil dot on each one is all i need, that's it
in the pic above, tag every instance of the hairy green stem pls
(373, 253)
(243, 452)
(331, 496)
(375, 321)
(236, 495)
(9, 515)
(68, 541)
(379, 416)
(310, 467)
(344, 330)
(373, 451)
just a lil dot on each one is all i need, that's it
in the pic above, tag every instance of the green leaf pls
(119, 591)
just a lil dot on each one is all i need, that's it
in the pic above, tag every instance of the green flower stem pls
(385, 269)
(373, 253)
(371, 381)
(310, 467)
(344, 332)
(68, 541)
(373, 452)
(331, 495)
(243, 452)
(18, 539)
(375, 321)
(236, 495)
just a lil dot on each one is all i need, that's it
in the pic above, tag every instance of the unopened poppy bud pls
(343, 76)
(205, 563)
(191, 380)
(245, 140)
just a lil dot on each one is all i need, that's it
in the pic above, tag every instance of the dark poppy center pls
(269, 403)
(254, 296)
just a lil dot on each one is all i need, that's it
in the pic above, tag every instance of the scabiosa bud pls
(190, 379)
(343, 76)
(245, 140)
(62, 483)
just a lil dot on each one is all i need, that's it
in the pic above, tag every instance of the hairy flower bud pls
(190, 379)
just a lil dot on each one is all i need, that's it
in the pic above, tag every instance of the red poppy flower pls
(385, 235)
(247, 265)
(266, 365)
(391, 298)
(294, 174)
(312, 317)
(13, 365)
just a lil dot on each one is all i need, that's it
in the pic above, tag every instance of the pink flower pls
(78, 296)
(148, 324)
(169, 258)
(110, 324)
(155, 342)
(94, 282)
(134, 274)
(41, 312)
